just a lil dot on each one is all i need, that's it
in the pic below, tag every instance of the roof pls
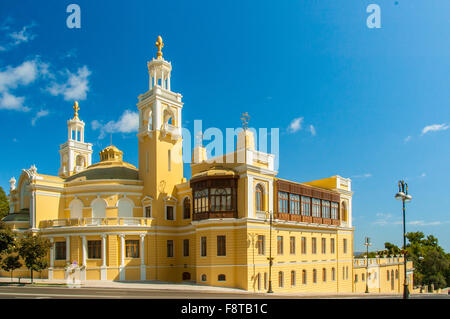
(215, 172)
(111, 172)
(21, 216)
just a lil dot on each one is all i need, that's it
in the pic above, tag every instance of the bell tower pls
(75, 154)
(160, 141)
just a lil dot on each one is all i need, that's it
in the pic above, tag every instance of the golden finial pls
(76, 108)
(159, 45)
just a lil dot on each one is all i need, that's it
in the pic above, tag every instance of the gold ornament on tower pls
(76, 108)
(159, 45)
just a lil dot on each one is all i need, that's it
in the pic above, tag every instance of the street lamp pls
(403, 196)
(270, 258)
(367, 244)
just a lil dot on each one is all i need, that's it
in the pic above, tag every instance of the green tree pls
(7, 239)
(430, 261)
(34, 249)
(391, 249)
(4, 204)
(11, 263)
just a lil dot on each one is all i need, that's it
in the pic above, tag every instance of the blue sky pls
(369, 104)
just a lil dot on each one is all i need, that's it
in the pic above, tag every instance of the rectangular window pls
(170, 248)
(356, 278)
(294, 204)
(261, 243)
(334, 210)
(292, 245)
(304, 245)
(132, 248)
(326, 209)
(324, 245)
(293, 278)
(280, 245)
(345, 246)
(314, 245)
(186, 247)
(221, 246)
(306, 206)
(282, 202)
(332, 245)
(148, 211)
(304, 278)
(203, 246)
(60, 250)
(94, 249)
(316, 207)
(169, 213)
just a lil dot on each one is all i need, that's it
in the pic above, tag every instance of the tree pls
(391, 249)
(7, 239)
(430, 261)
(11, 263)
(4, 204)
(33, 249)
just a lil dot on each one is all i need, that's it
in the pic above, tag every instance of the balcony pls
(105, 221)
(307, 219)
(208, 215)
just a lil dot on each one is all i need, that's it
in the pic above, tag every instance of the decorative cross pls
(76, 108)
(245, 118)
(159, 44)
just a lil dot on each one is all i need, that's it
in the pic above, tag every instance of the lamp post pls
(403, 196)
(367, 244)
(270, 258)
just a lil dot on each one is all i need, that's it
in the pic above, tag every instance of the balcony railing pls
(208, 215)
(307, 219)
(104, 221)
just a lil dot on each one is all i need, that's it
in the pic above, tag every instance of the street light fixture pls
(270, 258)
(403, 196)
(367, 244)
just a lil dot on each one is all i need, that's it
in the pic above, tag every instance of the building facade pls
(116, 221)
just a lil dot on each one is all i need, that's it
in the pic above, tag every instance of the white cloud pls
(13, 77)
(407, 139)
(127, 123)
(75, 87)
(295, 125)
(38, 115)
(17, 37)
(312, 129)
(366, 175)
(434, 128)
(424, 223)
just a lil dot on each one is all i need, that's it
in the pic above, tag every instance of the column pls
(142, 252)
(168, 82)
(52, 259)
(67, 255)
(157, 111)
(270, 194)
(154, 78)
(84, 257)
(250, 194)
(163, 84)
(122, 257)
(103, 274)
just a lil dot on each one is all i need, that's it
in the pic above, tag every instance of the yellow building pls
(119, 222)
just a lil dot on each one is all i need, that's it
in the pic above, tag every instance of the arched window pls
(76, 209)
(258, 281)
(314, 276)
(203, 277)
(125, 207)
(201, 201)
(98, 208)
(221, 277)
(149, 121)
(324, 275)
(186, 276)
(81, 162)
(187, 208)
(293, 278)
(168, 117)
(259, 196)
(333, 274)
(304, 278)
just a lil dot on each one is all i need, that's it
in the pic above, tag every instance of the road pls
(61, 292)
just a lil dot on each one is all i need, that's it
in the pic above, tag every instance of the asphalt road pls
(49, 292)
